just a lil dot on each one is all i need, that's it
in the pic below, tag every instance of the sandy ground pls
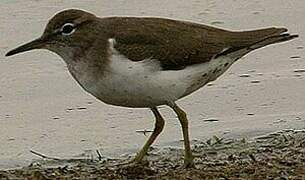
(279, 155)
(43, 109)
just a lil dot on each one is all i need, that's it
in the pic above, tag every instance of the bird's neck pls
(85, 71)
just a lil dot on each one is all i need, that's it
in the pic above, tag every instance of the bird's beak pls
(35, 44)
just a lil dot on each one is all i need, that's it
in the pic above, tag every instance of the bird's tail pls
(246, 41)
(272, 40)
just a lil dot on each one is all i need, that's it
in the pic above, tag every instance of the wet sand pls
(43, 109)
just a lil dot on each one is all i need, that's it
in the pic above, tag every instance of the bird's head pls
(67, 32)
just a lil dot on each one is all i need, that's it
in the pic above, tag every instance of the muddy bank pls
(278, 155)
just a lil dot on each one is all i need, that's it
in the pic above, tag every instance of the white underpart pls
(145, 84)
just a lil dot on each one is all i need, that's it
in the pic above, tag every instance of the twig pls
(252, 157)
(99, 155)
(218, 140)
(145, 131)
(44, 156)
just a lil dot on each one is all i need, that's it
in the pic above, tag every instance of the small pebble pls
(210, 120)
(299, 70)
(255, 81)
(244, 75)
(295, 57)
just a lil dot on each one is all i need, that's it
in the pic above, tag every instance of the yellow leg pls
(159, 125)
(188, 157)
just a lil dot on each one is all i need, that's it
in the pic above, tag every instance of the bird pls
(147, 62)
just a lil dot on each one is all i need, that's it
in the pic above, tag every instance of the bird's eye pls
(67, 29)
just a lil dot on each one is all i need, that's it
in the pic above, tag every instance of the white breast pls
(145, 84)
(137, 84)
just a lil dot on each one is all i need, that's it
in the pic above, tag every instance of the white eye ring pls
(67, 29)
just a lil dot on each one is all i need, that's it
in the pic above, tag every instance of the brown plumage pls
(177, 44)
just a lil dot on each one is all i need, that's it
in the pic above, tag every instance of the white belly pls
(145, 84)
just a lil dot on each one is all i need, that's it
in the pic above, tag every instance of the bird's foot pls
(188, 165)
(138, 160)
(189, 162)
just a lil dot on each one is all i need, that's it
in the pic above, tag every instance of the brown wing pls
(177, 44)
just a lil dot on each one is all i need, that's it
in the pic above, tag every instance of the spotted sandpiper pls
(146, 62)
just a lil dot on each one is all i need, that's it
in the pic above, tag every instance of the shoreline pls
(276, 155)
